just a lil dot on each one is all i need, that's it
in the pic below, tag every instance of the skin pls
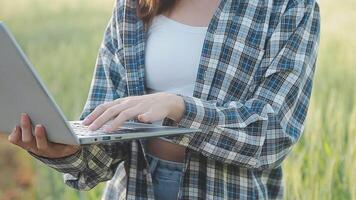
(146, 108)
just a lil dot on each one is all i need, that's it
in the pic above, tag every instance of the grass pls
(62, 38)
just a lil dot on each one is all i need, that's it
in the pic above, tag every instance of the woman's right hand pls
(22, 136)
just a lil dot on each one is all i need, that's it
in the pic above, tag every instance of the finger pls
(41, 138)
(15, 135)
(26, 127)
(97, 112)
(110, 113)
(148, 117)
(122, 117)
(16, 138)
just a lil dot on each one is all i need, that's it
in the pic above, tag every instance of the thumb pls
(147, 117)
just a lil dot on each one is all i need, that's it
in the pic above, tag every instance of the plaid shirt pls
(250, 99)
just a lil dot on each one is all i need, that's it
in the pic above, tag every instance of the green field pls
(62, 38)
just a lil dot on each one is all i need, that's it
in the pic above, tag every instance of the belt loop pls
(152, 164)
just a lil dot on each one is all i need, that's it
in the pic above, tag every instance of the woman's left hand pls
(147, 108)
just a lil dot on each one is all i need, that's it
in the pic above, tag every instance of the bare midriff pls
(166, 150)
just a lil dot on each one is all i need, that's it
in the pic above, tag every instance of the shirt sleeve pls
(258, 133)
(97, 162)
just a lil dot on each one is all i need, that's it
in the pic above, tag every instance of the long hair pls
(147, 9)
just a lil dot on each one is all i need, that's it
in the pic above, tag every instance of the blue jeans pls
(166, 177)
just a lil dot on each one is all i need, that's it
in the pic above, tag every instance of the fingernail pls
(23, 117)
(38, 126)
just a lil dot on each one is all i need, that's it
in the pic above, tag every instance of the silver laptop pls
(22, 91)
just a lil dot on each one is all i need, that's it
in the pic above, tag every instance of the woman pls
(239, 70)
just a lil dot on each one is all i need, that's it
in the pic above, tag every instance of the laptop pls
(22, 91)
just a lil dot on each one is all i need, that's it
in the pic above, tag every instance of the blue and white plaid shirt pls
(250, 99)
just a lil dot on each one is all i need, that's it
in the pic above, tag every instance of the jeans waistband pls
(170, 165)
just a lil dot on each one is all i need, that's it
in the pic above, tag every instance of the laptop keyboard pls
(80, 129)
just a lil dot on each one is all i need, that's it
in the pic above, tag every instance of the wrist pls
(177, 107)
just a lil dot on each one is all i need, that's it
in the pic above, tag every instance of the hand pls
(147, 108)
(39, 145)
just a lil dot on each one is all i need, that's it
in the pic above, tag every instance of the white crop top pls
(172, 56)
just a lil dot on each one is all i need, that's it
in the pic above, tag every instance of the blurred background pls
(62, 37)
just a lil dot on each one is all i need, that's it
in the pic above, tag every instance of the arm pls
(258, 133)
(96, 163)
